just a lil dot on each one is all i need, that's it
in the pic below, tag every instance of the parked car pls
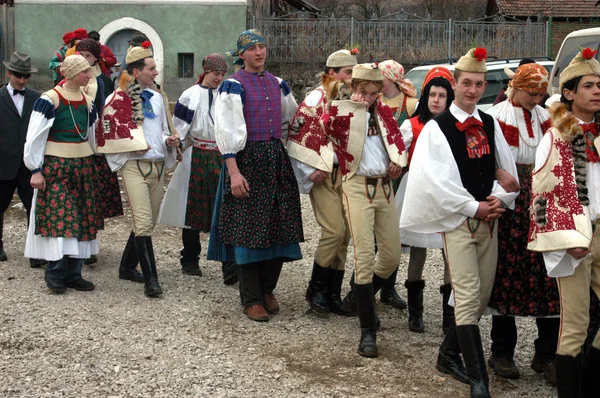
(496, 77)
(569, 48)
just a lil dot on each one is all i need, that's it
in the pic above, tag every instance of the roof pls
(300, 4)
(555, 8)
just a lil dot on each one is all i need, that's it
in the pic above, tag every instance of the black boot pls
(415, 305)
(447, 309)
(568, 376)
(190, 254)
(334, 292)
(365, 304)
(145, 253)
(315, 293)
(590, 373)
(129, 261)
(449, 361)
(469, 339)
(3, 256)
(389, 295)
(349, 301)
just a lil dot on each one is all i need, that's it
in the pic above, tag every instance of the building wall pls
(183, 28)
(560, 30)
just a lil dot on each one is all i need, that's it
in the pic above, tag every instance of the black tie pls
(22, 92)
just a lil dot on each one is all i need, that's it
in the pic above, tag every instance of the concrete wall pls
(199, 29)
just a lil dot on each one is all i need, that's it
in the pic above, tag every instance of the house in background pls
(567, 15)
(182, 32)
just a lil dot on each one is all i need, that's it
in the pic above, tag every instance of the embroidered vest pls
(558, 219)
(62, 129)
(307, 141)
(262, 105)
(477, 175)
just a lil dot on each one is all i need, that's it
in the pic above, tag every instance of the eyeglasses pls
(20, 75)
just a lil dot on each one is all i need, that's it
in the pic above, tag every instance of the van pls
(569, 48)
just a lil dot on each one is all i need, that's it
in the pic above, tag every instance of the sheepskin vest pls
(559, 213)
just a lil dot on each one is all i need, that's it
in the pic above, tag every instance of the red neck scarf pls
(477, 142)
(590, 132)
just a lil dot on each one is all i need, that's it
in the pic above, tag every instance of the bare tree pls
(370, 9)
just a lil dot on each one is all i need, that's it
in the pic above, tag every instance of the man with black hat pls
(16, 104)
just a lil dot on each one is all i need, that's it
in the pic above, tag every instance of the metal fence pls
(410, 41)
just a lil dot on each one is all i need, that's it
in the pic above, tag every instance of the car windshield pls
(569, 49)
(416, 77)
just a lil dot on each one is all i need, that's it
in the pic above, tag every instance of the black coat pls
(13, 131)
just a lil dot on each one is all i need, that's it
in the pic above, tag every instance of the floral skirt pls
(204, 181)
(107, 187)
(272, 214)
(522, 285)
(67, 208)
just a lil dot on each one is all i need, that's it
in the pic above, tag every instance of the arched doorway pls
(116, 34)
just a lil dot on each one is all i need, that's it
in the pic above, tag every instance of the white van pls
(569, 48)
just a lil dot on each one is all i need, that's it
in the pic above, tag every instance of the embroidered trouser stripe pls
(575, 301)
(327, 204)
(370, 213)
(472, 253)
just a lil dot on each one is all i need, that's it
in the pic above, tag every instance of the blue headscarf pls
(247, 39)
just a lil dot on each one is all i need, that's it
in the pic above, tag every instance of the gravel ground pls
(195, 341)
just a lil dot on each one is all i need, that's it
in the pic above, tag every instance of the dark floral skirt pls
(202, 190)
(108, 192)
(272, 214)
(522, 285)
(67, 208)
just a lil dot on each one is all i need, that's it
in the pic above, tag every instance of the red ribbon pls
(477, 142)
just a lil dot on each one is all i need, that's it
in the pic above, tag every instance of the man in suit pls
(16, 104)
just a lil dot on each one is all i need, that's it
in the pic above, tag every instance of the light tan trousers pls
(371, 211)
(327, 203)
(472, 253)
(143, 183)
(575, 301)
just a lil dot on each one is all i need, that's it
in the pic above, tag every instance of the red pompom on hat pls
(146, 44)
(67, 37)
(588, 53)
(473, 61)
(80, 33)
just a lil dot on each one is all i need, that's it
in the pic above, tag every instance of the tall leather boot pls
(447, 309)
(145, 253)
(129, 262)
(469, 339)
(568, 376)
(365, 304)
(3, 256)
(190, 254)
(389, 295)
(334, 292)
(590, 373)
(315, 293)
(349, 301)
(449, 360)
(415, 305)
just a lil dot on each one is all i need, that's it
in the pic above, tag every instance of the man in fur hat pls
(138, 103)
(190, 197)
(452, 189)
(564, 219)
(318, 174)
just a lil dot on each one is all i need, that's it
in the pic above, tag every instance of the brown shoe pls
(271, 304)
(504, 367)
(257, 313)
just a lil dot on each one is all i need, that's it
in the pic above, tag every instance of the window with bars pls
(185, 62)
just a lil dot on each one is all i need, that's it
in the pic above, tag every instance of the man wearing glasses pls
(16, 104)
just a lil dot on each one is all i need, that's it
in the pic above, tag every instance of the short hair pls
(526, 61)
(94, 35)
(570, 85)
(422, 110)
(139, 65)
(356, 83)
(335, 70)
(457, 74)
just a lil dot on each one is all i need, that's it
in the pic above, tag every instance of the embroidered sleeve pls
(184, 112)
(40, 122)
(230, 125)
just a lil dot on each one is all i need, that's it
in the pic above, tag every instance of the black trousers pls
(7, 189)
(258, 279)
(504, 337)
(191, 246)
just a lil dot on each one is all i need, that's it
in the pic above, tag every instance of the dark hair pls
(137, 39)
(422, 110)
(94, 35)
(571, 85)
(526, 61)
(139, 65)
(336, 70)
(72, 42)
